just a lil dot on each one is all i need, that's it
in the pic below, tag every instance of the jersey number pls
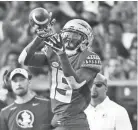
(57, 83)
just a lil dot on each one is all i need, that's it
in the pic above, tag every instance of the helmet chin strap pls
(71, 52)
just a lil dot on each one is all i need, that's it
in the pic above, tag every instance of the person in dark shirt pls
(28, 112)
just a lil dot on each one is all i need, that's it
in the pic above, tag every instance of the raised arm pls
(30, 57)
(85, 74)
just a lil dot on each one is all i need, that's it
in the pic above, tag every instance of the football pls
(39, 16)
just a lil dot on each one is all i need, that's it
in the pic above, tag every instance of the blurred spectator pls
(131, 69)
(103, 17)
(51, 6)
(35, 4)
(127, 39)
(11, 32)
(54, 7)
(11, 62)
(90, 11)
(114, 70)
(77, 6)
(3, 12)
(16, 24)
(18, 14)
(25, 99)
(57, 26)
(103, 113)
(67, 7)
(132, 61)
(128, 65)
(12, 59)
(126, 12)
(115, 49)
(101, 30)
(115, 37)
(133, 50)
(110, 52)
(6, 98)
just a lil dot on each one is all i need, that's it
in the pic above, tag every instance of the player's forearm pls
(71, 76)
(29, 51)
(31, 48)
(66, 66)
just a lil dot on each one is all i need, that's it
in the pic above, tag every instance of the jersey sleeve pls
(92, 61)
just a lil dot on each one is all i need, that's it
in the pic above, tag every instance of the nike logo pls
(35, 104)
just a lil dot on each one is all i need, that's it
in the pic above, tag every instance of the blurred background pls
(115, 30)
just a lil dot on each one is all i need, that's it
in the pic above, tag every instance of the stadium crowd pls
(114, 25)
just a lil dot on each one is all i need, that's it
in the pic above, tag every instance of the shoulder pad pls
(92, 61)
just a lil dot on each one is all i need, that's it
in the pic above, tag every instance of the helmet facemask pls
(80, 36)
(74, 41)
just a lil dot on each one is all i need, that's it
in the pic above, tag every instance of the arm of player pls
(89, 68)
(71, 76)
(3, 122)
(29, 56)
(86, 74)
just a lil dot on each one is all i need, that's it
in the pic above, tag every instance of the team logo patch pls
(25, 119)
(55, 64)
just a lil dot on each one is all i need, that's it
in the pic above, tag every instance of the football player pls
(73, 68)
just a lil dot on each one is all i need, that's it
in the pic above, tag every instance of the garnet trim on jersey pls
(92, 61)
